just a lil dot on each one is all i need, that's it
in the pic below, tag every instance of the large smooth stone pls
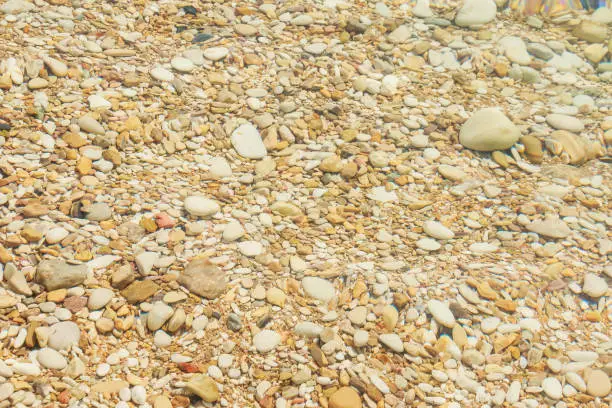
(203, 279)
(476, 12)
(488, 130)
(247, 142)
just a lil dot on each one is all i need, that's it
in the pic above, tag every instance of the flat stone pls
(64, 335)
(140, 291)
(159, 315)
(56, 274)
(576, 381)
(219, 167)
(565, 122)
(315, 48)
(595, 53)
(441, 313)
(233, 231)
(436, 230)
(489, 324)
(582, 355)
(574, 145)
(541, 51)
(358, 315)
(594, 285)
(591, 31)
(401, 34)
(246, 30)
(360, 338)
(99, 212)
(201, 206)
(215, 53)
(318, 288)
(451, 172)
(476, 12)
(203, 279)
(248, 143)
(16, 280)
(51, 359)
(552, 388)
(162, 74)
(204, 387)
(89, 124)
(182, 64)
(603, 15)
(550, 228)
(345, 397)
(266, 340)
(598, 384)
(308, 329)
(57, 67)
(421, 9)
(515, 50)
(99, 298)
(98, 102)
(108, 387)
(428, 244)
(145, 261)
(302, 20)
(393, 341)
(250, 248)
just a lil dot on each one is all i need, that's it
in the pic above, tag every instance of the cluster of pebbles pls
(326, 203)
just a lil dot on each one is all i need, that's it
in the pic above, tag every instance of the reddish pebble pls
(164, 220)
(180, 401)
(64, 397)
(189, 367)
(75, 303)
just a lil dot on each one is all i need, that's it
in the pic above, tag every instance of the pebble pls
(56, 274)
(91, 125)
(393, 341)
(248, 143)
(488, 130)
(598, 384)
(159, 314)
(99, 298)
(51, 359)
(550, 227)
(216, 53)
(594, 286)
(565, 122)
(318, 288)
(552, 388)
(266, 340)
(428, 244)
(203, 279)
(451, 172)
(436, 230)
(182, 64)
(345, 397)
(162, 74)
(201, 206)
(476, 12)
(204, 387)
(441, 313)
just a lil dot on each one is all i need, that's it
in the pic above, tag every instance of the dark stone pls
(201, 37)
(263, 322)
(233, 322)
(190, 10)
(356, 26)
(5, 126)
